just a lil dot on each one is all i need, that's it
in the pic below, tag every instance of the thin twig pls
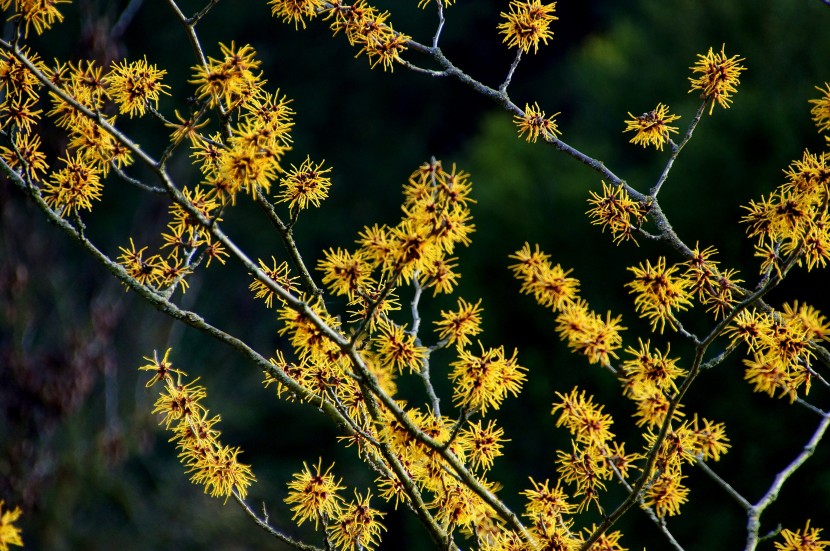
(753, 523)
(137, 183)
(509, 77)
(676, 150)
(440, 7)
(733, 493)
(263, 523)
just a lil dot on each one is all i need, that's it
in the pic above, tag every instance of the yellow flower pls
(370, 302)
(806, 540)
(9, 533)
(718, 77)
(666, 495)
(546, 503)
(615, 210)
(358, 525)
(314, 495)
(384, 47)
(230, 80)
(74, 187)
(220, 473)
(180, 403)
(711, 441)
(483, 381)
(652, 128)
(651, 367)
(162, 368)
(41, 14)
(458, 326)
(346, 273)
(587, 333)
(357, 20)
(15, 78)
(583, 418)
(534, 124)
(586, 468)
(280, 275)
(660, 293)
(143, 270)
(19, 113)
(821, 109)
(549, 285)
(306, 185)
(398, 348)
(527, 24)
(26, 151)
(295, 11)
(483, 444)
(134, 85)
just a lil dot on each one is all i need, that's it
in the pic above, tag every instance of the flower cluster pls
(484, 380)
(714, 288)
(211, 463)
(660, 292)
(586, 332)
(364, 26)
(792, 223)
(614, 209)
(417, 251)
(649, 378)
(685, 444)
(594, 456)
(313, 495)
(186, 236)
(781, 347)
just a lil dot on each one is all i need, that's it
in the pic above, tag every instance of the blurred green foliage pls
(109, 480)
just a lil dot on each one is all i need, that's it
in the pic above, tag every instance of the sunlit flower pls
(398, 348)
(821, 108)
(9, 533)
(134, 85)
(614, 209)
(482, 381)
(295, 11)
(652, 127)
(549, 284)
(279, 274)
(458, 326)
(718, 77)
(162, 368)
(527, 24)
(313, 495)
(660, 292)
(801, 540)
(40, 14)
(305, 186)
(358, 525)
(482, 443)
(27, 154)
(218, 470)
(534, 123)
(74, 187)
(666, 495)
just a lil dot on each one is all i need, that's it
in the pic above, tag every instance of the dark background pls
(79, 451)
